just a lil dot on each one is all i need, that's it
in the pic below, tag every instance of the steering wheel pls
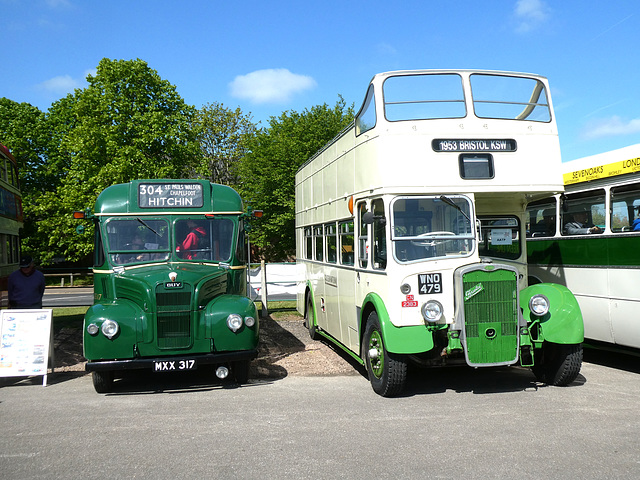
(424, 243)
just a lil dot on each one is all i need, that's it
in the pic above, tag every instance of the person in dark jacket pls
(26, 286)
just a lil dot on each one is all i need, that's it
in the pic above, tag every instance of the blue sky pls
(270, 56)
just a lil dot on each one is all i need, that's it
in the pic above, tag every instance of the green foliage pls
(223, 135)
(267, 174)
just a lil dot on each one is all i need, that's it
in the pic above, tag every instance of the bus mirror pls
(368, 218)
(79, 215)
(80, 229)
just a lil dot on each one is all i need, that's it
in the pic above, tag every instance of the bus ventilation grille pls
(491, 316)
(174, 319)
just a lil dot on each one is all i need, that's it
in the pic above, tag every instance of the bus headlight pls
(432, 311)
(93, 329)
(249, 321)
(539, 305)
(234, 322)
(109, 329)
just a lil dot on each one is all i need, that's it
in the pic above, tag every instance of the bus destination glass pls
(163, 195)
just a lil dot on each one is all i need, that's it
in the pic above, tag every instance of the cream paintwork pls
(396, 158)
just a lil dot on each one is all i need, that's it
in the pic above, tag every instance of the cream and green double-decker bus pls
(410, 229)
(169, 281)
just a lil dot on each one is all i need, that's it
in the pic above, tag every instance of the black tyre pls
(102, 381)
(310, 320)
(559, 365)
(240, 371)
(387, 371)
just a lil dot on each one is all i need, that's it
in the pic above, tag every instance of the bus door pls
(346, 280)
(372, 255)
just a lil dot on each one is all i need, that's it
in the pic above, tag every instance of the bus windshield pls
(428, 227)
(136, 240)
(147, 240)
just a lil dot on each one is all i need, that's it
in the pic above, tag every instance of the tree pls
(22, 130)
(127, 124)
(267, 174)
(223, 135)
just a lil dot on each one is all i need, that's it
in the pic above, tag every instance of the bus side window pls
(318, 240)
(330, 233)
(583, 211)
(363, 238)
(541, 218)
(379, 235)
(625, 208)
(346, 243)
(308, 244)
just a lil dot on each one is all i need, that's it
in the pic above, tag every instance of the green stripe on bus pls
(593, 251)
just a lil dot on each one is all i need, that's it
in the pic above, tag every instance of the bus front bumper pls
(174, 363)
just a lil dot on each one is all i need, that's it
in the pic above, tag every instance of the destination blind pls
(170, 195)
(474, 145)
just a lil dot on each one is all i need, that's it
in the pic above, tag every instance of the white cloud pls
(530, 14)
(611, 127)
(61, 84)
(275, 85)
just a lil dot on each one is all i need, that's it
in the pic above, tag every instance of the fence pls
(270, 282)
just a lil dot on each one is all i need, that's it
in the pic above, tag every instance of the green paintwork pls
(377, 364)
(563, 323)
(403, 340)
(491, 316)
(159, 320)
(621, 250)
(122, 198)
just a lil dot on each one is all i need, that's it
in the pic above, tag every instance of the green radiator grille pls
(174, 318)
(491, 316)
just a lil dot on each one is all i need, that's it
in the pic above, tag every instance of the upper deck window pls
(366, 118)
(423, 97)
(510, 98)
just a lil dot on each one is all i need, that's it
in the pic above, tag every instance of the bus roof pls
(169, 197)
(608, 164)
(5, 151)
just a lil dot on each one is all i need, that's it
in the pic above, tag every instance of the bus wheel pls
(102, 381)
(310, 320)
(387, 372)
(240, 371)
(559, 364)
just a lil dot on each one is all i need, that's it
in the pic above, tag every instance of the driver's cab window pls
(138, 240)
(204, 239)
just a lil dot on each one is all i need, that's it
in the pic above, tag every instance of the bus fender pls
(215, 322)
(563, 322)
(131, 321)
(402, 340)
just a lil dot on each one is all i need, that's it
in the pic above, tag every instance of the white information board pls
(25, 337)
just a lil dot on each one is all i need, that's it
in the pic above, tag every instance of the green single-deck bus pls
(410, 229)
(600, 262)
(169, 281)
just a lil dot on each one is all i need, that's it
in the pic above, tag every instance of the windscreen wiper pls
(145, 224)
